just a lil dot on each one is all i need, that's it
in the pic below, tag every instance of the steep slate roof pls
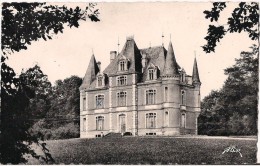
(195, 73)
(91, 73)
(156, 56)
(171, 66)
(132, 53)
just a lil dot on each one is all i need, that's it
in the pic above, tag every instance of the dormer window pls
(100, 80)
(122, 65)
(150, 74)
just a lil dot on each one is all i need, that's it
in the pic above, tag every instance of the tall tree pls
(23, 23)
(35, 80)
(245, 18)
(62, 118)
(233, 109)
(66, 98)
(16, 117)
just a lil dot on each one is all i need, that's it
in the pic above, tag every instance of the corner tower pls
(87, 82)
(196, 98)
(171, 91)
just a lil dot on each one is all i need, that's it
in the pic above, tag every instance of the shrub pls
(66, 131)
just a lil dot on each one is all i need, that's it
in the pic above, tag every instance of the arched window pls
(183, 97)
(100, 123)
(121, 99)
(100, 101)
(151, 120)
(150, 96)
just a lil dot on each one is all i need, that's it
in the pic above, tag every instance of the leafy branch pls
(243, 18)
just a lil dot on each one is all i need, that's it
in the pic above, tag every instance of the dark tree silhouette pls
(23, 23)
(61, 120)
(233, 109)
(245, 18)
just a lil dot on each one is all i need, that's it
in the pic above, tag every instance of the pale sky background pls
(69, 53)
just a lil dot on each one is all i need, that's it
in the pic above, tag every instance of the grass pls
(139, 150)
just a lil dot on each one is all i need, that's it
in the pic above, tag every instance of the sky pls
(69, 53)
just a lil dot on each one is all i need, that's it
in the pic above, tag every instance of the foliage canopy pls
(233, 109)
(245, 18)
(23, 23)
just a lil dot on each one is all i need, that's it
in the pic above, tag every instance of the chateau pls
(142, 92)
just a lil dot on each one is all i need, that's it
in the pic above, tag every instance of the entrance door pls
(122, 125)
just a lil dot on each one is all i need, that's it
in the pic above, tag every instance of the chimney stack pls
(112, 55)
(99, 66)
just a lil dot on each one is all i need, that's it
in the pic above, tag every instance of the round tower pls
(171, 92)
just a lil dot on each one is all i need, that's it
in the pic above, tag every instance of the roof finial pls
(92, 51)
(162, 39)
(170, 37)
(118, 44)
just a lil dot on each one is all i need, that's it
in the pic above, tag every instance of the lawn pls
(153, 150)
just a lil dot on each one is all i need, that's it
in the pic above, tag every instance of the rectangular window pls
(121, 99)
(183, 120)
(183, 78)
(166, 119)
(151, 120)
(100, 79)
(84, 124)
(150, 74)
(150, 97)
(84, 103)
(122, 65)
(121, 80)
(100, 101)
(166, 94)
(100, 123)
(183, 97)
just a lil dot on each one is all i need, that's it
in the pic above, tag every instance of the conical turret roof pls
(195, 73)
(171, 66)
(91, 73)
